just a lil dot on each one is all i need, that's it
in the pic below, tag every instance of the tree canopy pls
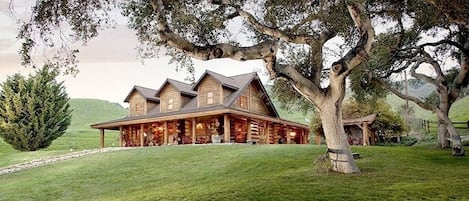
(432, 47)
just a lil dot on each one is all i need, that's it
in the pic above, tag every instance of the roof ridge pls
(209, 71)
(145, 87)
(170, 79)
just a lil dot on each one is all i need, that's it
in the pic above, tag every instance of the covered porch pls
(228, 127)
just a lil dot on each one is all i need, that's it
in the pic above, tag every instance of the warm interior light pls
(199, 126)
(292, 134)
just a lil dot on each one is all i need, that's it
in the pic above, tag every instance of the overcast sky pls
(108, 66)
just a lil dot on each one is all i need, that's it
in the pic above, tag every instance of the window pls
(137, 108)
(243, 102)
(170, 103)
(209, 98)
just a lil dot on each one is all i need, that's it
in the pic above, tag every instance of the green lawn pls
(243, 172)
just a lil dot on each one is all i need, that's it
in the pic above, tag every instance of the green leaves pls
(34, 111)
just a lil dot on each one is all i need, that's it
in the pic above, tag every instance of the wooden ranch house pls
(216, 109)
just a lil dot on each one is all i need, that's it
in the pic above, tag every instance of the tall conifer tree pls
(34, 111)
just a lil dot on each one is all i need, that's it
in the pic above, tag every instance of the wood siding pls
(209, 84)
(150, 105)
(137, 104)
(255, 102)
(169, 92)
(226, 93)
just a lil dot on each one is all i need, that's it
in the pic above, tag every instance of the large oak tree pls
(419, 38)
(289, 36)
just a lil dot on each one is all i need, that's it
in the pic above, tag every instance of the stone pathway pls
(53, 159)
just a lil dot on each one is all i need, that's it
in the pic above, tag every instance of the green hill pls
(88, 111)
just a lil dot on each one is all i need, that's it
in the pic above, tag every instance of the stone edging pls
(53, 159)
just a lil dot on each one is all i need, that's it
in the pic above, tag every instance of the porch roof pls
(199, 112)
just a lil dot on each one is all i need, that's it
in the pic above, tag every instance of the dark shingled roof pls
(182, 87)
(223, 80)
(149, 94)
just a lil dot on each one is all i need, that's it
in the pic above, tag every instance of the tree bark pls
(339, 150)
(458, 148)
(443, 135)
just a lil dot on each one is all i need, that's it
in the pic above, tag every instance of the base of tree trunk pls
(458, 150)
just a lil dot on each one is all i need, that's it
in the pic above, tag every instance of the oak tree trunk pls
(443, 135)
(339, 151)
(458, 148)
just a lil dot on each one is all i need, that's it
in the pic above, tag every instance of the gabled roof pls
(223, 80)
(246, 80)
(182, 87)
(149, 94)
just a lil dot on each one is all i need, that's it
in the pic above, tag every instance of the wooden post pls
(142, 135)
(318, 138)
(288, 134)
(365, 134)
(120, 136)
(165, 132)
(101, 138)
(227, 128)
(249, 135)
(267, 133)
(193, 130)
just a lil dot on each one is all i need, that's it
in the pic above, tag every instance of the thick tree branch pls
(413, 73)
(360, 52)
(304, 86)
(417, 101)
(276, 33)
(310, 18)
(462, 79)
(449, 42)
(264, 50)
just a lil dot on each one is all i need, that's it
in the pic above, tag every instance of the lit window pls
(170, 104)
(209, 98)
(243, 102)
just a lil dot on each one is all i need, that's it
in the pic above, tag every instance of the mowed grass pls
(243, 172)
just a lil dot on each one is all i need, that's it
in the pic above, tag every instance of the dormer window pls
(209, 98)
(170, 103)
(137, 108)
(243, 102)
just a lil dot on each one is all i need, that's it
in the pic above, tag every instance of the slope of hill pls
(88, 111)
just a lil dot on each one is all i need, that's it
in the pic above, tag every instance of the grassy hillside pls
(459, 111)
(243, 172)
(88, 111)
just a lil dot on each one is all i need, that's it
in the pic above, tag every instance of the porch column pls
(165, 133)
(249, 135)
(318, 138)
(141, 135)
(120, 136)
(101, 138)
(288, 134)
(193, 130)
(365, 134)
(227, 128)
(267, 133)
